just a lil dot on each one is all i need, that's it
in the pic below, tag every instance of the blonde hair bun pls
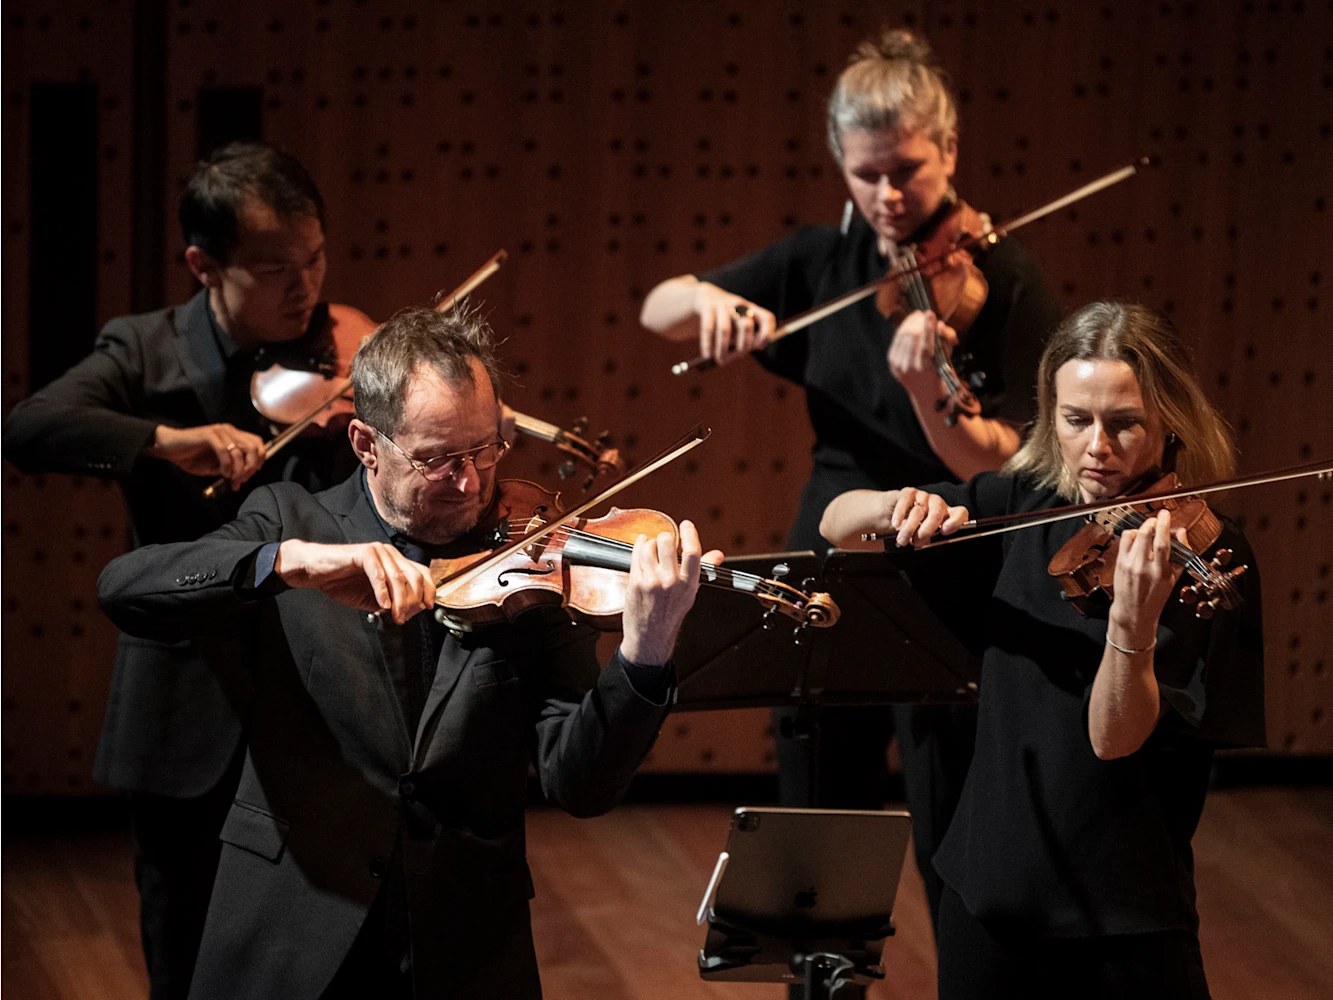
(897, 44)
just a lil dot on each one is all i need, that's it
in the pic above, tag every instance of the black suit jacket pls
(338, 791)
(174, 720)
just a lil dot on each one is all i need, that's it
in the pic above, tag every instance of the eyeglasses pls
(449, 466)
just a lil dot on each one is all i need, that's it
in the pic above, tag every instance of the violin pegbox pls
(1214, 585)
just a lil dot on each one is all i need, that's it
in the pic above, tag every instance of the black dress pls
(867, 437)
(1049, 844)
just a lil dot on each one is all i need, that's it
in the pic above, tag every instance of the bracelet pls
(1132, 652)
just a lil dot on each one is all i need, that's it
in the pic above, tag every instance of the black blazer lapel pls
(201, 358)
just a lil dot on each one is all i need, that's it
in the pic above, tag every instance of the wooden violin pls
(1085, 565)
(484, 587)
(583, 567)
(319, 394)
(940, 276)
(925, 264)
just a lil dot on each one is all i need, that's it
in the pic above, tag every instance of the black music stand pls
(804, 896)
(888, 647)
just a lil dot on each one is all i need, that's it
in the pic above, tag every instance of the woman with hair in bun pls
(872, 389)
(1068, 865)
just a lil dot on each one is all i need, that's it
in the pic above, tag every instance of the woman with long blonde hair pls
(1068, 868)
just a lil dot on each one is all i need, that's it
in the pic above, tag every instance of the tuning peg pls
(976, 381)
(1222, 557)
(1206, 609)
(780, 570)
(1190, 594)
(565, 469)
(603, 439)
(580, 427)
(798, 634)
(769, 615)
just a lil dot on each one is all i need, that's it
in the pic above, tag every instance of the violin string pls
(725, 574)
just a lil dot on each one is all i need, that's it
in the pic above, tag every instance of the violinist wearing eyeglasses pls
(375, 847)
(1068, 867)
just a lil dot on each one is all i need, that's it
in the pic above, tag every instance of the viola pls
(1085, 565)
(319, 395)
(582, 566)
(940, 276)
(926, 263)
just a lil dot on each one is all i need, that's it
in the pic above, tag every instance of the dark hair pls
(212, 199)
(387, 360)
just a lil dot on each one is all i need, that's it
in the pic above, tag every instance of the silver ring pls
(232, 446)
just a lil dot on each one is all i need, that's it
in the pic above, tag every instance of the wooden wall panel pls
(59, 531)
(608, 145)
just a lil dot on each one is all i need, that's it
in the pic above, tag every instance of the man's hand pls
(730, 327)
(372, 576)
(210, 450)
(912, 355)
(661, 590)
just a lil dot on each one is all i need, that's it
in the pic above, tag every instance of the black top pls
(1048, 838)
(866, 432)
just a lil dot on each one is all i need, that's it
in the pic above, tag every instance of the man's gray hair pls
(387, 360)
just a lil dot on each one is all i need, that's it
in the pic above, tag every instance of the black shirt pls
(1048, 839)
(866, 432)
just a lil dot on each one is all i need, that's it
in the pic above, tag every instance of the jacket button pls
(378, 868)
(180, 581)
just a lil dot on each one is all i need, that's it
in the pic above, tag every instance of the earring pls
(1171, 439)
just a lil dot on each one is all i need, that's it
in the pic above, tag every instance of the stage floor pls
(616, 898)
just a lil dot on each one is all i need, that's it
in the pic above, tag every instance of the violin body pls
(562, 569)
(1085, 565)
(582, 567)
(946, 281)
(285, 396)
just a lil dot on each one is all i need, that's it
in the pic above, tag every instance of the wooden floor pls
(616, 896)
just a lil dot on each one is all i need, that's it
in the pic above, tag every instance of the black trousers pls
(979, 962)
(175, 861)
(842, 766)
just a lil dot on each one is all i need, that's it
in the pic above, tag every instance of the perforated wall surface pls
(609, 145)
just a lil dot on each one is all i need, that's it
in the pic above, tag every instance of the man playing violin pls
(163, 405)
(892, 128)
(376, 846)
(1067, 866)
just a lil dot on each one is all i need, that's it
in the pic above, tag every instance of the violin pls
(319, 394)
(583, 567)
(561, 560)
(965, 241)
(1085, 565)
(940, 276)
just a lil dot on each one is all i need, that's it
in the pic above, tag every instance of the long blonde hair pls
(889, 83)
(1203, 450)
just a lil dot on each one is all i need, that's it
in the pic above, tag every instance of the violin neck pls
(587, 549)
